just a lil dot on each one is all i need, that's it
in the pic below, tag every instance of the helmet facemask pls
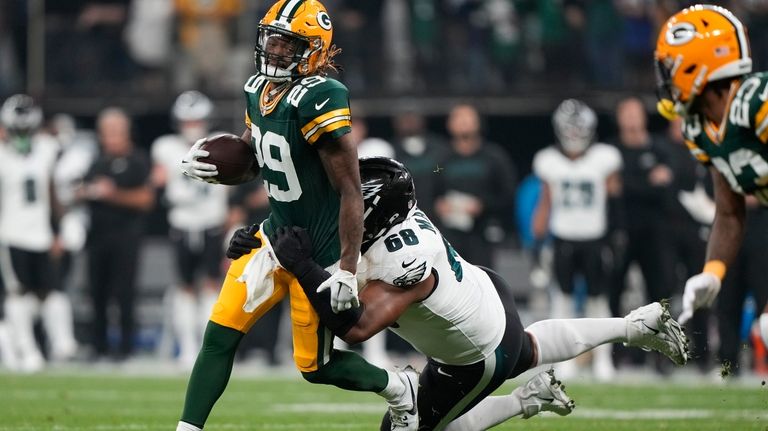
(21, 118)
(281, 55)
(574, 124)
(670, 103)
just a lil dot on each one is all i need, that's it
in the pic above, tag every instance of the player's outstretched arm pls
(386, 303)
(728, 227)
(339, 158)
(724, 243)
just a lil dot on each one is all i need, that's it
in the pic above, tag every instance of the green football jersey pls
(737, 148)
(283, 133)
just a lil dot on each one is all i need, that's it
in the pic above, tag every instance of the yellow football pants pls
(307, 331)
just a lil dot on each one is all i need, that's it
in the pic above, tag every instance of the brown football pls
(233, 157)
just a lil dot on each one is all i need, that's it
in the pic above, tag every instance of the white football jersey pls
(25, 194)
(578, 190)
(462, 321)
(194, 205)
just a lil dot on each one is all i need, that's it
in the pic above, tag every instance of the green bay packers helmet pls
(294, 39)
(388, 195)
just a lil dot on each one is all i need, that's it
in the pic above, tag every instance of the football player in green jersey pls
(297, 122)
(704, 72)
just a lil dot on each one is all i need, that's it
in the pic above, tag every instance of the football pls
(234, 158)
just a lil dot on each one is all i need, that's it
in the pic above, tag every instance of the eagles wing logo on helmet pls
(371, 189)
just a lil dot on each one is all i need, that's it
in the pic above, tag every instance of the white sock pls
(395, 388)
(59, 325)
(21, 311)
(185, 324)
(183, 426)
(561, 339)
(208, 298)
(488, 413)
(375, 350)
(7, 351)
(562, 305)
(602, 361)
(764, 328)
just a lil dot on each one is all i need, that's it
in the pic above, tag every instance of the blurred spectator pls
(422, 152)
(603, 46)
(361, 56)
(148, 32)
(12, 46)
(475, 189)
(646, 179)
(205, 42)
(745, 276)
(90, 51)
(578, 176)
(368, 146)
(27, 237)
(118, 192)
(691, 212)
(197, 212)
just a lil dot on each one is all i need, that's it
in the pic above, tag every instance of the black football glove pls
(293, 248)
(243, 241)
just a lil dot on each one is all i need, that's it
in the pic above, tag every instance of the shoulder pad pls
(394, 261)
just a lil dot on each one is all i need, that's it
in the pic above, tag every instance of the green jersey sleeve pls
(323, 108)
(758, 105)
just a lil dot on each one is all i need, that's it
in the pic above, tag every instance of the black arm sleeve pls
(311, 276)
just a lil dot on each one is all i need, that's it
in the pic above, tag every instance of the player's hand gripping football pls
(243, 241)
(200, 171)
(700, 291)
(343, 286)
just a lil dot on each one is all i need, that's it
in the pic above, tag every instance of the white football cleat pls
(403, 413)
(651, 327)
(544, 393)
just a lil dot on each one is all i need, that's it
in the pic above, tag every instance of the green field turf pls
(106, 402)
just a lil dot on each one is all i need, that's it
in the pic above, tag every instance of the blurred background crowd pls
(462, 91)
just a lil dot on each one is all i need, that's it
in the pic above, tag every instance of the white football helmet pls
(20, 115)
(575, 124)
(192, 106)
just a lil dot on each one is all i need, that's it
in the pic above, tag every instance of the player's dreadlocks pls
(329, 65)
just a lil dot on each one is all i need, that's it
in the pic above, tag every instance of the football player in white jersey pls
(461, 316)
(578, 175)
(27, 237)
(197, 212)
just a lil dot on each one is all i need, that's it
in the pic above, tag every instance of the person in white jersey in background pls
(197, 212)
(578, 176)
(27, 237)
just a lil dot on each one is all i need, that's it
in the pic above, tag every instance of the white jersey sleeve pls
(542, 163)
(608, 158)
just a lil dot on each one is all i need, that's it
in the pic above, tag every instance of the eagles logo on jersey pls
(294, 40)
(696, 46)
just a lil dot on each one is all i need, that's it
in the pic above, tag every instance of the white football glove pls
(343, 285)
(700, 291)
(198, 170)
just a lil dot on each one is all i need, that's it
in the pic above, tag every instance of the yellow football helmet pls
(698, 45)
(294, 39)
